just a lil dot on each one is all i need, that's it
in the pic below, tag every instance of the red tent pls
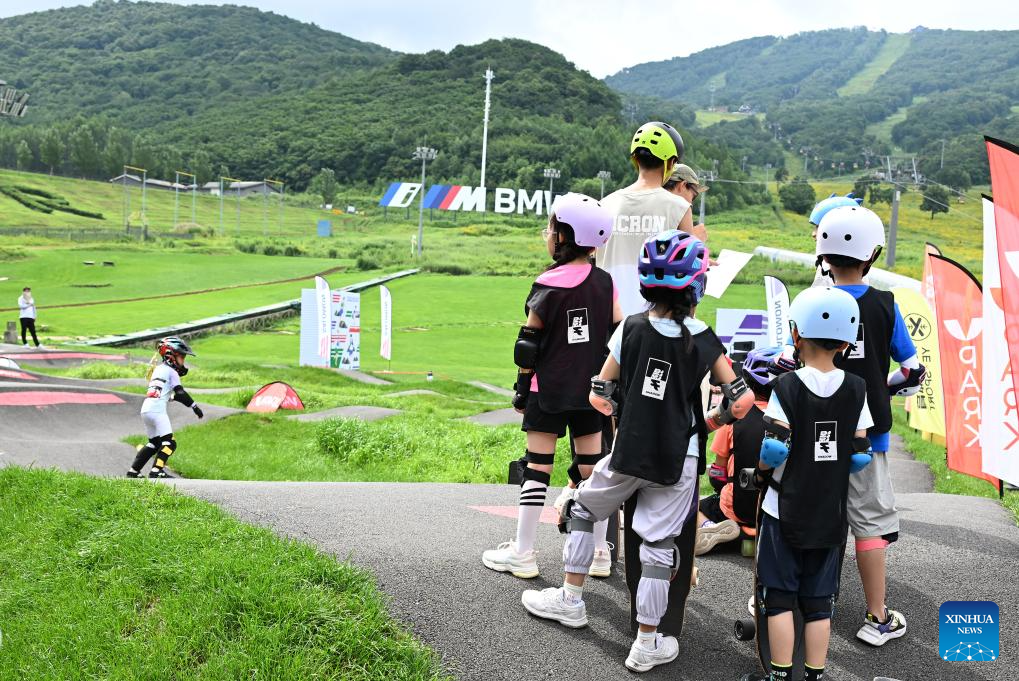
(273, 397)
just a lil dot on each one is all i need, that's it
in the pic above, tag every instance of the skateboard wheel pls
(747, 548)
(744, 629)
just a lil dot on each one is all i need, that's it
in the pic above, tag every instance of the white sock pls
(532, 502)
(601, 529)
(573, 594)
(647, 639)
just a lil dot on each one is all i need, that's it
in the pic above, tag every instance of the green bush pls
(798, 196)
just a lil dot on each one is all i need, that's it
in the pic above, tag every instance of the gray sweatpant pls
(660, 513)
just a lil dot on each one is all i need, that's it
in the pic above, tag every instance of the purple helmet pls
(591, 223)
(760, 366)
(673, 259)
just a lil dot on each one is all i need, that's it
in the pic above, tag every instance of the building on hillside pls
(240, 188)
(150, 183)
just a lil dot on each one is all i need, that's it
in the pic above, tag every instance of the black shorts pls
(810, 573)
(581, 422)
(711, 507)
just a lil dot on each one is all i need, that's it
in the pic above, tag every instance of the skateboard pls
(746, 629)
(686, 576)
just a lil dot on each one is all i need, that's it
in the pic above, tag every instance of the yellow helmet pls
(662, 140)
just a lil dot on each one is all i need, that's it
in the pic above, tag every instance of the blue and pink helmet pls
(675, 260)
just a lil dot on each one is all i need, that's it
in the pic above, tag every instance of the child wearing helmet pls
(164, 385)
(658, 358)
(820, 209)
(644, 208)
(571, 311)
(849, 240)
(815, 427)
(722, 516)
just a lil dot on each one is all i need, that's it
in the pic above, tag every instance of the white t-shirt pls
(26, 307)
(823, 385)
(639, 214)
(666, 327)
(161, 385)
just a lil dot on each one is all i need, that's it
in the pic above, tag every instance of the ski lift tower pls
(13, 104)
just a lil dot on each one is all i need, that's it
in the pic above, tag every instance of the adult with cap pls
(684, 183)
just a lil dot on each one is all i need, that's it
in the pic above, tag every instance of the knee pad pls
(540, 459)
(659, 559)
(529, 473)
(872, 544)
(581, 460)
(817, 608)
(777, 601)
(166, 449)
(568, 524)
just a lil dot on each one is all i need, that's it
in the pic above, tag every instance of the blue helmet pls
(833, 201)
(673, 259)
(825, 312)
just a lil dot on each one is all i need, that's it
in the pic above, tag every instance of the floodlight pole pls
(552, 174)
(176, 197)
(221, 230)
(424, 154)
(489, 75)
(603, 175)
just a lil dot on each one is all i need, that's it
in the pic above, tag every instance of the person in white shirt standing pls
(164, 385)
(26, 307)
(643, 209)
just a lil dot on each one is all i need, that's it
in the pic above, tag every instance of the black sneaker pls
(133, 473)
(158, 473)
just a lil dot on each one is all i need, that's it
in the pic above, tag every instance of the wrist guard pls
(522, 389)
(906, 382)
(718, 477)
(606, 390)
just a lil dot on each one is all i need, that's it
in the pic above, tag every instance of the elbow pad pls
(775, 431)
(859, 461)
(525, 350)
(180, 395)
(773, 452)
(736, 402)
(606, 390)
(906, 382)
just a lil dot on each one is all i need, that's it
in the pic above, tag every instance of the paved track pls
(423, 542)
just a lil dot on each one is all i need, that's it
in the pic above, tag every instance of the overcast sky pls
(604, 36)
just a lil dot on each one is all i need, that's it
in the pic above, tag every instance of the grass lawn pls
(113, 579)
(945, 480)
(895, 46)
(706, 118)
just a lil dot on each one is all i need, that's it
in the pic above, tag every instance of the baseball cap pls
(684, 173)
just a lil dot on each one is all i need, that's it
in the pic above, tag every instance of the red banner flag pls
(960, 321)
(1004, 161)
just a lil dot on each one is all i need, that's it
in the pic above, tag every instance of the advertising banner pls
(322, 315)
(1003, 159)
(926, 409)
(741, 325)
(345, 331)
(777, 297)
(999, 427)
(960, 323)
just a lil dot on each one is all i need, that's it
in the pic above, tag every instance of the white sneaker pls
(877, 634)
(710, 536)
(602, 564)
(641, 659)
(505, 558)
(752, 605)
(551, 604)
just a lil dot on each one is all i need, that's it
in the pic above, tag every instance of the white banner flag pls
(322, 316)
(778, 310)
(386, 348)
(999, 430)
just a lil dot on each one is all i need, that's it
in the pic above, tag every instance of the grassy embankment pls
(109, 579)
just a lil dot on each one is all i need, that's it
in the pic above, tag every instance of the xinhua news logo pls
(968, 631)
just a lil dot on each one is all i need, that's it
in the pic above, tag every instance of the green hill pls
(238, 92)
(851, 95)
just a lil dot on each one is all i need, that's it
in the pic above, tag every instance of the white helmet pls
(853, 231)
(825, 312)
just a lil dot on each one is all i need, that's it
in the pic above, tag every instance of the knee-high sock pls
(578, 551)
(653, 592)
(601, 529)
(145, 453)
(532, 503)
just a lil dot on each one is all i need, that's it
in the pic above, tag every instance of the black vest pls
(660, 380)
(871, 358)
(815, 481)
(577, 322)
(747, 435)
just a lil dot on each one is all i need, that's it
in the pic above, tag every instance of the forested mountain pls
(849, 96)
(302, 99)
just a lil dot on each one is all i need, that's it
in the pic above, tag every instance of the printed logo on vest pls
(856, 351)
(825, 437)
(578, 331)
(968, 631)
(656, 378)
